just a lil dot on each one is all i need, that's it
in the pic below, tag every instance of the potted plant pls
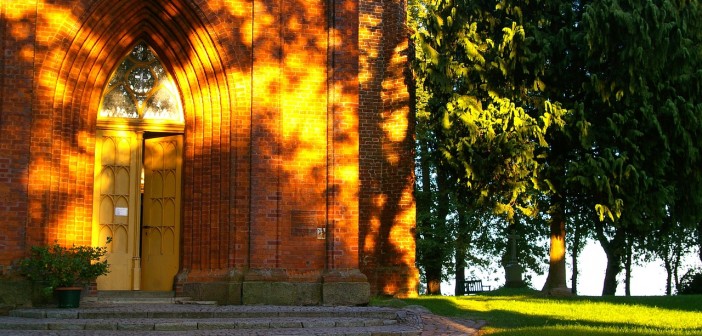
(64, 270)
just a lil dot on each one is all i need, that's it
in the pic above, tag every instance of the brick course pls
(297, 118)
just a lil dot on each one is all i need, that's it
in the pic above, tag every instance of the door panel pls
(115, 198)
(161, 212)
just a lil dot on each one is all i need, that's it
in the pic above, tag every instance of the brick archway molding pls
(77, 62)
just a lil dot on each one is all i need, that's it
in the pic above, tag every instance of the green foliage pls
(640, 61)
(488, 124)
(480, 73)
(641, 98)
(592, 109)
(58, 266)
(435, 202)
(691, 282)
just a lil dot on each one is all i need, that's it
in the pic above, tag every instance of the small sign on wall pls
(121, 211)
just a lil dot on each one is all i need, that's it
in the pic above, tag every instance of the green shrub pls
(691, 282)
(56, 266)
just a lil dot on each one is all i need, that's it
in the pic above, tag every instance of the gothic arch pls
(72, 75)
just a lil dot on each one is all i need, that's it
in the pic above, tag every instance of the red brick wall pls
(17, 34)
(280, 98)
(387, 218)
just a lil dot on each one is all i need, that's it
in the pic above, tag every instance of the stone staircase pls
(133, 297)
(140, 318)
(143, 297)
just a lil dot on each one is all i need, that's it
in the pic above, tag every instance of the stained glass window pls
(140, 88)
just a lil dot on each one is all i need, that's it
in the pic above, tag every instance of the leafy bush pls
(57, 266)
(691, 282)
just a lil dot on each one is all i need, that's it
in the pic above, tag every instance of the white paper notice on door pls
(121, 211)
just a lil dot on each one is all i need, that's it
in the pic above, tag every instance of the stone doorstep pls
(179, 300)
(17, 323)
(124, 294)
(137, 300)
(142, 297)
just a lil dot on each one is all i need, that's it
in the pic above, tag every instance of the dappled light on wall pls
(276, 103)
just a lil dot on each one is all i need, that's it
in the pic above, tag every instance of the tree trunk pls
(668, 277)
(627, 274)
(699, 239)
(460, 270)
(430, 258)
(613, 268)
(461, 248)
(574, 255)
(556, 280)
(676, 263)
(615, 251)
(435, 270)
(433, 275)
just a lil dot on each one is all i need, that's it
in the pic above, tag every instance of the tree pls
(486, 112)
(434, 232)
(669, 243)
(579, 220)
(431, 192)
(580, 112)
(642, 102)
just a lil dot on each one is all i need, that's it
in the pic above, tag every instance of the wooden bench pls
(475, 286)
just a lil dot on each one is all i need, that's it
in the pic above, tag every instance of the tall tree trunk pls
(461, 248)
(699, 239)
(433, 275)
(678, 254)
(430, 257)
(460, 273)
(668, 276)
(614, 250)
(433, 267)
(627, 266)
(574, 255)
(613, 268)
(556, 280)
(435, 270)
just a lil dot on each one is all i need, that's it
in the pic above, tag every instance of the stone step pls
(15, 323)
(124, 311)
(104, 294)
(139, 297)
(205, 320)
(350, 331)
(142, 297)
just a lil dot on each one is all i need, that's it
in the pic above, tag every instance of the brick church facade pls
(240, 151)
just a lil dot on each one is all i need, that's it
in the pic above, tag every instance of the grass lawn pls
(520, 312)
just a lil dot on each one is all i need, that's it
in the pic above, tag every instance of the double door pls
(136, 214)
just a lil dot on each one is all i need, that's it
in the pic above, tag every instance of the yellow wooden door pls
(116, 197)
(160, 232)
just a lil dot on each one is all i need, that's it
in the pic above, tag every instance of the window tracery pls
(141, 88)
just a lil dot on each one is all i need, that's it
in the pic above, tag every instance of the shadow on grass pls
(504, 322)
(690, 303)
(535, 314)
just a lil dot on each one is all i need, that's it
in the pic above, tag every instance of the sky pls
(647, 278)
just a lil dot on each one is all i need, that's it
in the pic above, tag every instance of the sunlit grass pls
(529, 313)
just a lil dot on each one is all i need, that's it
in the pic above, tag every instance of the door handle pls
(146, 228)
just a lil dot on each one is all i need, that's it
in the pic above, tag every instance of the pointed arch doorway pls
(138, 168)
